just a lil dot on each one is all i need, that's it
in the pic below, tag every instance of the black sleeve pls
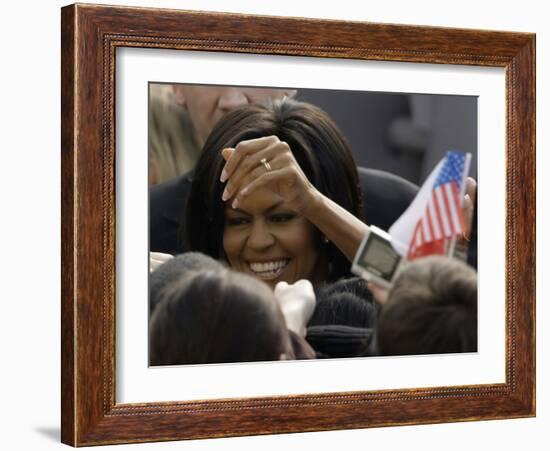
(167, 203)
(385, 196)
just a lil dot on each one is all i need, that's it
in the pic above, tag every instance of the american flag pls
(443, 217)
(436, 214)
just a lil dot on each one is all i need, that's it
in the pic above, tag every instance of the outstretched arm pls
(336, 223)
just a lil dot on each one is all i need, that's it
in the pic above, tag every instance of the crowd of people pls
(251, 243)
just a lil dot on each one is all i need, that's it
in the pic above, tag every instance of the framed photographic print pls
(401, 96)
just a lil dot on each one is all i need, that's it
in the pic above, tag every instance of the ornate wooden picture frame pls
(90, 412)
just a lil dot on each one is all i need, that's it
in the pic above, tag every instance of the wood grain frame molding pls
(90, 36)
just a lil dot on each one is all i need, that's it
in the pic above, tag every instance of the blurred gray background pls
(406, 134)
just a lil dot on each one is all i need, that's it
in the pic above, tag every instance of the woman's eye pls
(236, 221)
(282, 217)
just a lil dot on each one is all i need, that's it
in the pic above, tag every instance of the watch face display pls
(379, 257)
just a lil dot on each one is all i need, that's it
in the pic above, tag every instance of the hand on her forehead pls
(264, 162)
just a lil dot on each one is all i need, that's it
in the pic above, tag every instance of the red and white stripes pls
(442, 219)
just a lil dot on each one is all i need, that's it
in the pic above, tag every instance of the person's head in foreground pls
(431, 309)
(174, 269)
(217, 316)
(347, 302)
(343, 321)
(263, 236)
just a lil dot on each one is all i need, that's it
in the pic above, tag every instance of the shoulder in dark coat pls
(166, 208)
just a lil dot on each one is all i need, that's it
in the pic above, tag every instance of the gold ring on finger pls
(266, 164)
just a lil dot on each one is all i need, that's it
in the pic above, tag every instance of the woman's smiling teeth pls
(268, 270)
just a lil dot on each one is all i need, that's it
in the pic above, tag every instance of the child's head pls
(173, 270)
(431, 309)
(347, 302)
(343, 320)
(217, 316)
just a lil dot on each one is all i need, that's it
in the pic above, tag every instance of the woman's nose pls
(231, 99)
(260, 236)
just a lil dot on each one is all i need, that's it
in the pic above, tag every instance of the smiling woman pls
(267, 239)
(276, 194)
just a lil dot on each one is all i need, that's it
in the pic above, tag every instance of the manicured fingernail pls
(225, 194)
(235, 204)
(226, 153)
(223, 176)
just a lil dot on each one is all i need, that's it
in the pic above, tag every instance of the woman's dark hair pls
(217, 317)
(431, 309)
(318, 146)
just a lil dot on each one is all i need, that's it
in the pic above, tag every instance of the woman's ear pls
(179, 94)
